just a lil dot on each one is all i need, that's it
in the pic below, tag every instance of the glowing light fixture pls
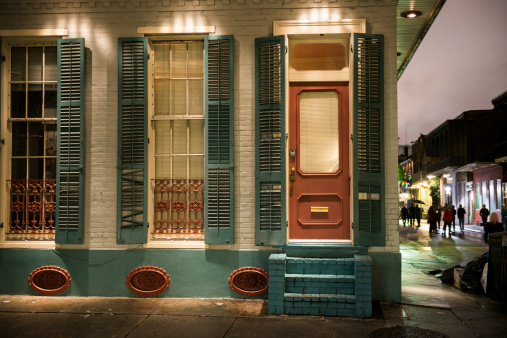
(410, 14)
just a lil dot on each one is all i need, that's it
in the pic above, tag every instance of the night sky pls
(460, 65)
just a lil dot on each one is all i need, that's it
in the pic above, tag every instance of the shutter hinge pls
(148, 56)
(286, 136)
(352, 224)
(2, 225)
(3, 57)
(352, 137)
(286, 50)
(148, 140)
(286, 223)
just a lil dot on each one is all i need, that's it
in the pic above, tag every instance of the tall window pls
(178, 123)
(33, 120)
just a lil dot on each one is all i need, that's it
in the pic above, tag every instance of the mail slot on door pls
(319, 209)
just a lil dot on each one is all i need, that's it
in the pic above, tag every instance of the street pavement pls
(428, 309)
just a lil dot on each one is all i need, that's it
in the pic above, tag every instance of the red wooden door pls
(319, 162)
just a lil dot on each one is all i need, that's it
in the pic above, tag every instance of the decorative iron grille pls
(179, 206)
(32, 207)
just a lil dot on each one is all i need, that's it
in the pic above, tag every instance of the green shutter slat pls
(219, 125)
(368, 183)
(270, 213)
(132, 141)
(70, 161)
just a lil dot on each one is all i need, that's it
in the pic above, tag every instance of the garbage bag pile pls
(467, 278)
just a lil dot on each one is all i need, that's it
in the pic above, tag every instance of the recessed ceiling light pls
(411, 14)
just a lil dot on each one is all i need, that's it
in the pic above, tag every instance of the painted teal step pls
(320, 283)
(320, 286)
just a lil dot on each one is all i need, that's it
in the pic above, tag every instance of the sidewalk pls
(426, 305)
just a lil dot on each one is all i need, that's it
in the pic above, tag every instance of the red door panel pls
(318, 163)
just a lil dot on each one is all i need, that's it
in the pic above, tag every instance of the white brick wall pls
(101, 23)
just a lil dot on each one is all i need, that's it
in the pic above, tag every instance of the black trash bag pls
(447, 276)
(471, 279)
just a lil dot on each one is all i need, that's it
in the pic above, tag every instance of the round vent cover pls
(49, 280)
(249, 281)
(148, 281)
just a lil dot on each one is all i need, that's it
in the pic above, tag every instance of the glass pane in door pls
(318, 132)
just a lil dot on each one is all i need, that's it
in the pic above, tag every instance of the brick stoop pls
(320, 286)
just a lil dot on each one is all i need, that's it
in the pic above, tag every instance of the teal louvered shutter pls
(270, 176)
(368, 139)
(219, 125)
(132, 141)
(69, 179)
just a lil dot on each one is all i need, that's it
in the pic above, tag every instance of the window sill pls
(168, 244)
(26, 244)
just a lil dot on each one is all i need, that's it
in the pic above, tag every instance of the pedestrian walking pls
(404, 215)
(439, 216)
(418, 215)
(411, 214)
(461, 218)
(432, 219)
(447, 220)
(484, 213)
(494, 225)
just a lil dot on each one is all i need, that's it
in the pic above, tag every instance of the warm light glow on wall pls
(320, 14)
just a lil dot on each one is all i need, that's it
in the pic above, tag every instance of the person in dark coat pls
(493, 225)
(418, 215)
(404, 215)
(411, 214)
(461, 218)
(484, 213)
(432, 219)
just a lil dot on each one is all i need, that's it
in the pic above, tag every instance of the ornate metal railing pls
(32, 207)
(179, 206)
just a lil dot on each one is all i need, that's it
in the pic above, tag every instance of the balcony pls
(445, 164)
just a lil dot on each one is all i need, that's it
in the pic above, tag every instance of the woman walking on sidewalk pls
(432, 219)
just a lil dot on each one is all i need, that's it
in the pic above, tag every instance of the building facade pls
(191, 148)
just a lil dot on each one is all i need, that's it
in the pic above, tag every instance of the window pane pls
(34, 63)
(162, 167)
(179, 137)
(492, 195)
(35, 168)
(51, 139)
(50, 62)
(18, 169)
(50, 100)
(18, 100)
(318, 132)
(34, 100)
(162, 58)
(178, 97)
(50, 168)
(319, 56)
(478, 201)
(196, 97)
(19, 139)
(179, 167)
(195, 60)
(499, 193)
(179, 60)
(485, 199)
(35, 139)
(18, 63)
(196, 136)
(161, 97)
(162, 137)
(196, 167)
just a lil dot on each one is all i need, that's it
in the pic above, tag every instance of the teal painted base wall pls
(386, 275)
(193, 273)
